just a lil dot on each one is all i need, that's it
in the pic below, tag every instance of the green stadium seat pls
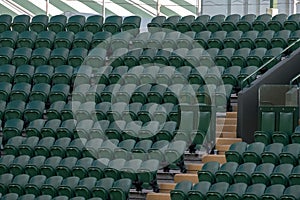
(67, 186)
(196, 76)
(285, 128)
(290, 154)
(124, 149)
(75, 23)
(224, 57)
(291, 192)
(9, 39)
(39, 92)
(20, 23)
(33, 167)
(271, 153)
(170, 40)
(267, 125)
(58, 92)
(18, 183)
(43, 147)
(84, 187)
(107, 148)
(116, 109)
(81, 168)
(45, 39)
(156, 39)
(140, 149)
(177, 57)
(39, 23)
(225, 172)
(6, 56)
(57, 23)
(10, 196)
(216, 39)
(12, 127)
(84, 126)
(75, 147)
(113, 168)
(27, 147)
(243, 173)
(264, 39)
(156, 23)
(273, 192)
(5, 162)
(262, 173)
(48, 169)
(50, 186)
(181, 74)
(66, 129)
(27, 196)
(253, 152)
(82, 39)
(132, 76)
(140, 40)
(115, 129)
(201, 38)
(115, 77)
(230, 76)
(2, 108)
(184, 24)
(261, 22)
(50, 127)
(40, 56)
(199, 190)
(232, 38)
(100, 110)
(277, 22)
(117, 56)
(60, 146)
(245, 23)
(65, 166)
(185, 40)
(34, 128)
(170, 23)
(255, 57)
(147, 174)
(5, 22)
(130, 168)
(215, 22)
(280, 174)
(208, 172)
(131, 59)
(97, 168)
(21, 56)
(280, 39)
(14, 109)
(12, 145)
(24, 73)
(295, 35)
(275, 54)
(76, 56)
(230, 21)
(26, 39)
(199, 24)
(5, 179)
(181, 190)
(235, 191)
(58, 56)
(131, 24)
(214, 75)
(93, 23)
(294, 176)
(102, 187)
(292, 22)
(90, 147)
(7, 73)
(96, 58)
(217, 191)
(248, 39)
(93, 94)
(18, 165)
(55, 109)
(113, 24)
(101, 40)
(34, 110)
(64, 39)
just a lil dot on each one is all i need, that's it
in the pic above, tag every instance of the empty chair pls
(65, 166)
(43, 147)
(215, 22)
(225, 172)
(57, 23)
(39, 92)
(40, 56)
(39, 23)
(155, 40)
(12, 127)
(77, 56)
(271, 153)
(84, 187)
(230, 21)
(208, 171)
(170, 23)
(21, 56)
(5, 22)
(8, 38)
(170, 40)
(34, 184)
(272, 57)
(292, 22)
(75, 147)
(185, 40)
(262, 173)
(115, 128)
(184, 24)
(248, 38)
(253, 152)
(113, 24)
(26, 39)
(81, 168)
(291, 192)
(131, 24)
(58, 56)
(14, 109)
(290, 154)
(18, 183)
(7, 73)
(27, 147)
(277, 22)
(64, 39)
(18, 165)
(156, 23)
(280, 39)
(66, 128)
(230, 76)
(48, 168)
(201, 38)
(243, 173)
(234, 154)
(199, 24)
(67, 186)
(102, 187)
(181, 190)
(50, 186)
(147, 175)
(82, 39)
(20, 23)
(101, 40)
(59, 147)
(34, 110)
(261, 22)
(96, 58)
(264, 39)
(93, 23)
(45, 39)
(216, 39)
(217, 191)
(235, 191)
(140, 40)
(131, 59)
(285, 128)
(34, 127)
(232, 39)
(280, 174)
(245, 23)
(75, 23)
(255, 57)
(120, 189)
(224, 57)
(12, 145)
(43, 74)
(49, 129)
(199, 190)
(273, 191)
(23, 73)
(59, 92)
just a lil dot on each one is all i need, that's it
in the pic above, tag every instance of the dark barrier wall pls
(282, 73)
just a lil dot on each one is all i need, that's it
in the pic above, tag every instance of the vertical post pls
(295, 2)
(103, 8)
(246, 7)
(47, 7)
(199, 7)
(273, 4)
(287, 7)
(257, 7)
(158, 5)
(228, 7)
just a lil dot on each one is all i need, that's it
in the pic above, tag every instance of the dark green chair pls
(75, 23)
(64, 39)
(7, 73)
(39, 23)
(50, 186)
(57, 23)
(65, 166)
(273, 192)
(58, 92)
(20, 23)
(234, 154)
(291, 192)
(43, 147)
(225, 172)
(232, 39)
(131, 24)
(34, 185)
(40, 56)
(131, 59)
(82, 39)
(170, 23)
(243, 173)
(50, 127)
(170, 40)
(248, 39)
(5, 22)
(255, 57)
(264, 39)
(100, 111)
(24, 73)
(271, 153)
(58, 56)
(267, 126)
(76, 56)
(10, 196)
(155, 40)
(96, 58)
(224, 57)
(14, 109)
(261, 22)
(69, 109)
(181, 190)
(280, 174)
(217, 191)
(48, 168)
(39, 92)
(277, 22)
(12, 127)
(67, 187)
(290, 154)
(216, 39)
(115, 129)
(84, 126)
(34, 110)
(18, 183)
(230, 21)
(131, 112)
(97, 169)
(26, 39)
(133, 74)
(18, 165)
(81, 167)
(113, 24)
(199, 24)
(155, 24)
(201, 38)
(84, 187)
(245, 23)
(43, 74)
(199, 190)
(184, 24)
(235, 191)
(215, 22)
(101, 40)
(140, 41)
(280, 39)
(34, 128)
(8, 38)
(93, 23)
(66, 129)
(91, 147)
(12, 145)
(101, 75)
(27, 147)
(285, 128)
(273, 56)
(230, 76)
(106, 150)
(253, 152)
(45, 39)
(21, 56)
(185, 40)
(292, 22)
(113, 168)
(5, 179)
(208, 172)
(295, 35)
(262, 173)
(147, 175)
(130, 168)
(102, 187)
(79, 92)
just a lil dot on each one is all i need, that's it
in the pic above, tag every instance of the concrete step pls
(227, 141)
(226, 121)
(193, 168)
(166, 187)
(231, 115)
(158, 196)
(226, 128)
(222, 148)
(186, 177)
(226, 134)
(219, 158)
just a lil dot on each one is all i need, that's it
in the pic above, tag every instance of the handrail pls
(294, 79)
(264, 65)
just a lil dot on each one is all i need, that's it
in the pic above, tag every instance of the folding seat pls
(184, 24)
(44, 197)
(43, 74)
(232, 38)
(12, 145)
(101, 40)
(12, 127)
(27, 196)
(131, 24)
(91, 147)
(81, 167)
(7, 72)
(285, 128)
(18, 165)
(75, 23)
(199, 24)
(161, 58)
(97, 168)
(40, 56)
(133, 74)
(45, 39)
(216, 39)
(208, 172)
(66, 129)
(255, 57)
(49, 169)
(113, 168)
(199, 190)
(43, 147)
(292, 22)
(235, 191)
(261, 22)
(224, 57)
(290, 154)
(57, 23)
(5, 22)
(100, 111)
(34, 110)
(217, 191)
(27, 147)
(188, 94)
(116, 59)
(50, 128)
(245, 23)
(291, 192)
(147, 175)
(273, 56)
(186, 40)
(32, 168)
(230, 22)
(69, 109)
(277, 22)
(264, 39)
(67, 186)
(106, 150)
(181, 190)
(102, 74)
(34, 128)
(155, 40)
(294, 36)
(9, 39)
(253, 152)
(84, 187)
(39, 23)
(225, 172)
(123, 149)
(262, 173)
(5, 162)
(10, 196)
(99, 128)
(59, 92)
(130, 113)
(58, 56)
(267, 126)
(140, 40)
(157, 150)
(131, 59)
(155, 24)
(201, 38)
(174, 155)
(164, 75)
(96, 58)
(26, 39)
(271, 153)
(273, 192)
(115, 128)
(107, 94)
(280, 39)
(141, 148)
(162, 113)
(82, 39)
(79, 92)
(59, 147)
(214, 75)
(248, 39)
(64, 39)
(170, 23)
(117, 74)
(93, 23)
(200, 57)
(93, 94)
(39, 92)
(115, 111)
(243, 173)
(65, 166)
(215, 22)
(21, 56)
(170, 40)
(172, 93)
(50, 186)
(146, 112)
(196, 75)
(230, 76)
(177, 57)
(280, 174)
(75, 147)
(181, 75)
(20, 23)
(83, 128)
(18, 183)
(101, 188)
(81, 75)
(23, 73)
(112, 24)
